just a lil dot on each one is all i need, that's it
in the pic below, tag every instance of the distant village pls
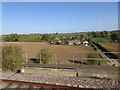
(76, 42)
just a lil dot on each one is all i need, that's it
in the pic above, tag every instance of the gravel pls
(83, 82)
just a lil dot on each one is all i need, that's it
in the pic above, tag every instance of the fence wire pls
(70, 58)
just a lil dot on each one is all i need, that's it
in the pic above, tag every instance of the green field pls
(101, 40)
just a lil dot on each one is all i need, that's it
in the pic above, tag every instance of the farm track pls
(37, 86)
(106, 54)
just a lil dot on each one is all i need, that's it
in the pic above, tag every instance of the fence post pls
(26, 59)
(40, 57)
(82, 58)
(55, 59)
(73, 58)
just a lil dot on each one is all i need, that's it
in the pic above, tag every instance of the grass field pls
(66, 52)
(101, 40)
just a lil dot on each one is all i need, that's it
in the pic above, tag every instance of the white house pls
(85, 43)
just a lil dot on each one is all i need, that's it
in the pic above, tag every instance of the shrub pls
(45, 37)
(44, 55)
(12, 38)
(11, 58)
(92, 61)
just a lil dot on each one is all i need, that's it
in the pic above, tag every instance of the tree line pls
(112, 35)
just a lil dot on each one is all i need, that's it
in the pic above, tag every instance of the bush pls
(92, 61)
(12, 59)
(44, 55)
(12, 38)
(46, 37)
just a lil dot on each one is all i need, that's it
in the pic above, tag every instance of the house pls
(70, 42)
(58, 41)
(74, 42)
(77, 42)
(51, 42)
(85, 43)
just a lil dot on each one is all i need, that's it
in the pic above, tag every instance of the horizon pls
(61, 17)
(57, 32)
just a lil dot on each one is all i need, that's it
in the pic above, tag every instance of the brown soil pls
(113, 47)
(66, 52)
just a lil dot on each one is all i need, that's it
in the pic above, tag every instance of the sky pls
(61, 17)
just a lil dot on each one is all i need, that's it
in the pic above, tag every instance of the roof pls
(73, 41)
(58, 41)
(85, 42)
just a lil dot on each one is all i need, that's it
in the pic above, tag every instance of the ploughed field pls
(112, 47)
(58, 51)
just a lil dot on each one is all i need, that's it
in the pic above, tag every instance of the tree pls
(12, 38)
(93, 34)
(98, 34)
(45, 37)
(113, 36)
(56, 33)
(44, 55)
(12, 58)
(104, 34)
(91, 61)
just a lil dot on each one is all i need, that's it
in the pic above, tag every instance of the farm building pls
(58, 41)
(73, 42)
(51, 42)
(85, 43)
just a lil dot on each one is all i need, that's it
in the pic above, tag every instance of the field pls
(102, 40)
(66, 52)
(113, 47)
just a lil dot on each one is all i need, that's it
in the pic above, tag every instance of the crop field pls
(66, 52)
(113, 47)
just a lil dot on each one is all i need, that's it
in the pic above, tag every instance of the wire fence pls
(70, 58)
